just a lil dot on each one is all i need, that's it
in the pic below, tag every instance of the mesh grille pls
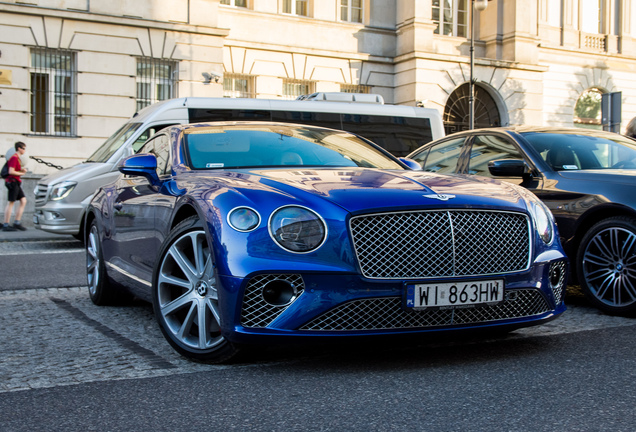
(256, 311)
(559, 287)
(441, 243)
(387, 313)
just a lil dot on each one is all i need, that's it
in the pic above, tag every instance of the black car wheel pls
(185, 295)
(607, 265)
(101, 291)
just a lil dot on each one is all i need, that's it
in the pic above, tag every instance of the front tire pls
(100, 289)
(606, 265)
(185, 295)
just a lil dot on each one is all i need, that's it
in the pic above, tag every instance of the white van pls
(61, 198)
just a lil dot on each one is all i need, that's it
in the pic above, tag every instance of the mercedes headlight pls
(297, 229)
(61, 190)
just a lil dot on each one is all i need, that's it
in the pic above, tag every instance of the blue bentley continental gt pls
(243, 232)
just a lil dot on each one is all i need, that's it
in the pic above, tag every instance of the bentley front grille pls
(387, 313)
(257, 312)
(410, 245)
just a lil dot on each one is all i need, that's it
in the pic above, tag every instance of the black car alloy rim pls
(187, 294)
(609, 266)
(92, 260)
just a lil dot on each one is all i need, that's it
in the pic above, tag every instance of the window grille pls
(295, 7)
(156, 81)
(238, 86)
(353, 88)
(292, 88)
(451, 17)
(236, 3)
(351, 10)
(53, 92)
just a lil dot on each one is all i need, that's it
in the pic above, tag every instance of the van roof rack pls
(344, 97)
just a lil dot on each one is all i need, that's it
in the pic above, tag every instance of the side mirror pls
(144, 164)
(411, 164)
(508, 168)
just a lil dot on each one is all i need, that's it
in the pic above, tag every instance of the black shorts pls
(15, 191)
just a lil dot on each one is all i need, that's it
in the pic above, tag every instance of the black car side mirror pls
(508, 168)
(144, 164)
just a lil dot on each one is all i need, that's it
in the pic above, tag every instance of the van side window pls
(398, 135)
(197, 115)
(322, 119)
(441, 158)
(145, 135)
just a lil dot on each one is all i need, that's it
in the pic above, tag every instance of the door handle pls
(118, 206)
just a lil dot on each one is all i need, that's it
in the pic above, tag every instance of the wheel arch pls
(183, 212)
(591, 218)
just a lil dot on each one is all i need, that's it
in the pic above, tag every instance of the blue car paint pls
(331, 273)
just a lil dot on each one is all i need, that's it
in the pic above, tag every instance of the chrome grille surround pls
(256, 312)
(41, 192)
(386, 313)
(441, 243)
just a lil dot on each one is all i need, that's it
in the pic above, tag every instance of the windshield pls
(112, 144)
(281, 145)
(587, 150)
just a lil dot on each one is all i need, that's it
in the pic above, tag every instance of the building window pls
(293, 88)
(238, 86)
(156, 81)
(237, 3)
(351, 10)
(353, 88)
(451, 17)
(295, 7)
(587, 111)
(53, 93)
(592, 16)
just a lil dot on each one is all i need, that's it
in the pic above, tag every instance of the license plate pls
(454, 294)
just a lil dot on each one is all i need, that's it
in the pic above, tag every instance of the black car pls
(586, 177)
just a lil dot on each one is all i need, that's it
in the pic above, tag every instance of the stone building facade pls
(72, 71)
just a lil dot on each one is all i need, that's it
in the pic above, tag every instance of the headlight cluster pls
(295, 229)
(543, 220)
(61, 190)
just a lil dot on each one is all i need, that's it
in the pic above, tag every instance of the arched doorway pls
(587, 111)
(457, 110)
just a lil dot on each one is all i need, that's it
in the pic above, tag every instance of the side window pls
(162, 151)
(487, 148)
(160, 147)
(141, 139)
(441, 158)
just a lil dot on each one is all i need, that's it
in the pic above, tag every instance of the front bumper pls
(350, 305)
(60, 219)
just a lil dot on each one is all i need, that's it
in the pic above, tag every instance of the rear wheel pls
(185, 295)
(606, 265)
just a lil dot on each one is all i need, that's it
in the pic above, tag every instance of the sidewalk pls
(32, 234)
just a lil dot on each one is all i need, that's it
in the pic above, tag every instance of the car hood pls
(608, 175)
(361, 189)
(77, 173)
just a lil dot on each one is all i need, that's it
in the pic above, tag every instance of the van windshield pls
(112, 144)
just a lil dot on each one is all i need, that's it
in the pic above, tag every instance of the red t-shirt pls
(14, 161)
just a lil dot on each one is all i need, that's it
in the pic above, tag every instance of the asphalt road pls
(68, 365)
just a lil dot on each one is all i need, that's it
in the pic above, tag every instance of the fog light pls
(279, 293)
(557, 274)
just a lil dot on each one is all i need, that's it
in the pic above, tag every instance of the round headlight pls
(243, 219)
(297, 229)
(543, 221)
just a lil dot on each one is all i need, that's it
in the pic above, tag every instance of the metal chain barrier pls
(48, 164)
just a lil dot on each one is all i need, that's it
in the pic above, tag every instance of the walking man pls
(13, 182)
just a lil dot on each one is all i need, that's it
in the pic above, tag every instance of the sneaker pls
(8, 228)
(19, 227)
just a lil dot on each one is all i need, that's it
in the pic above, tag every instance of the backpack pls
(5, 170)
